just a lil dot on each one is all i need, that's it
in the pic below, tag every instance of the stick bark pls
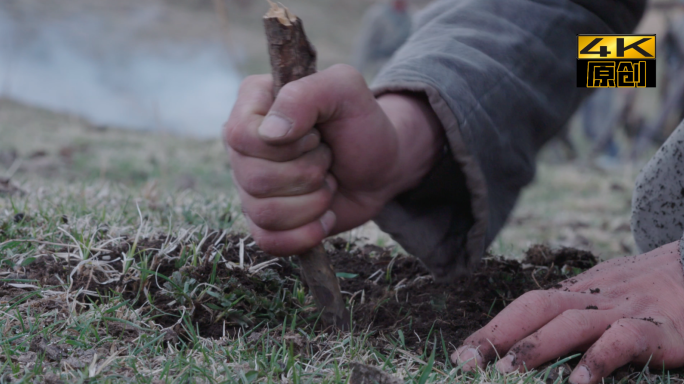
(293, 57)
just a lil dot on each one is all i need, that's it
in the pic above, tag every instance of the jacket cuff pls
(443, 221)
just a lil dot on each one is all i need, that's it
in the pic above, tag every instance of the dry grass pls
(576, 206)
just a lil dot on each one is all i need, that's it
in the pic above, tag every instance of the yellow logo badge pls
(605, 61)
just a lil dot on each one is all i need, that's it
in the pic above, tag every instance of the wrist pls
(420, 138)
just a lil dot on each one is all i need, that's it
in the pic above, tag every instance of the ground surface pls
(123, 255)
(123, 258)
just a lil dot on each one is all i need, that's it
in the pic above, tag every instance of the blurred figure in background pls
(599, 114)
(386, 26)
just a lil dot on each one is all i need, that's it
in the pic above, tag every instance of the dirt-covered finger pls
(627, 340)
(286, 213)
(518, 320)
(263, 178)
(572, 330)
(294, 241)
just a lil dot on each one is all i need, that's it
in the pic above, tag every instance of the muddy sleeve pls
(500, 75)
(658, 199)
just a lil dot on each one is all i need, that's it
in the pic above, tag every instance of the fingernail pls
(310, 141)
(274, 127)
(580, 375)
(505, 365)
(328, 221)
(469, 357)
(331, 182)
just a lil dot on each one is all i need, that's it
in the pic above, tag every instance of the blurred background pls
(134, 92)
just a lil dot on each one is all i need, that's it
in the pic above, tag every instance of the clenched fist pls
(325, 156)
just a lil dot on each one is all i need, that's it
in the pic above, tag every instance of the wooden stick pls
(323, 284)
(293, 57)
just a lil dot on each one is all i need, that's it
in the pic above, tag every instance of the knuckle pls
(349, 74)
(235, 137)
(575, 319)
(267, 184)
(539, 300)
(643, 304)
(311, 178)
(256, 184)
(312, 173)
(631, 334)
(625, 326)
(262, 238)
(254, 187)
(325, 153)
(250, 81)
(346, 70)
(296, 91)
(268, 243)
(265, 215)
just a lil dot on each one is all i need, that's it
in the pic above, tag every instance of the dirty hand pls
(629, 309)
(325, 156)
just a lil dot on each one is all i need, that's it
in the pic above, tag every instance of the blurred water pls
(96, 68)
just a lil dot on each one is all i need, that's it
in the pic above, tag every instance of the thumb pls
(337, 92)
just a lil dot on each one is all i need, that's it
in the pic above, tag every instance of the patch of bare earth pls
(234, 288)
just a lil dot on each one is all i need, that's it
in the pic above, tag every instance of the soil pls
(411, 302)
(393, 297)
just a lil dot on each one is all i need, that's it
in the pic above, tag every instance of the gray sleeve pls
(658, 199)
(500, 75)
